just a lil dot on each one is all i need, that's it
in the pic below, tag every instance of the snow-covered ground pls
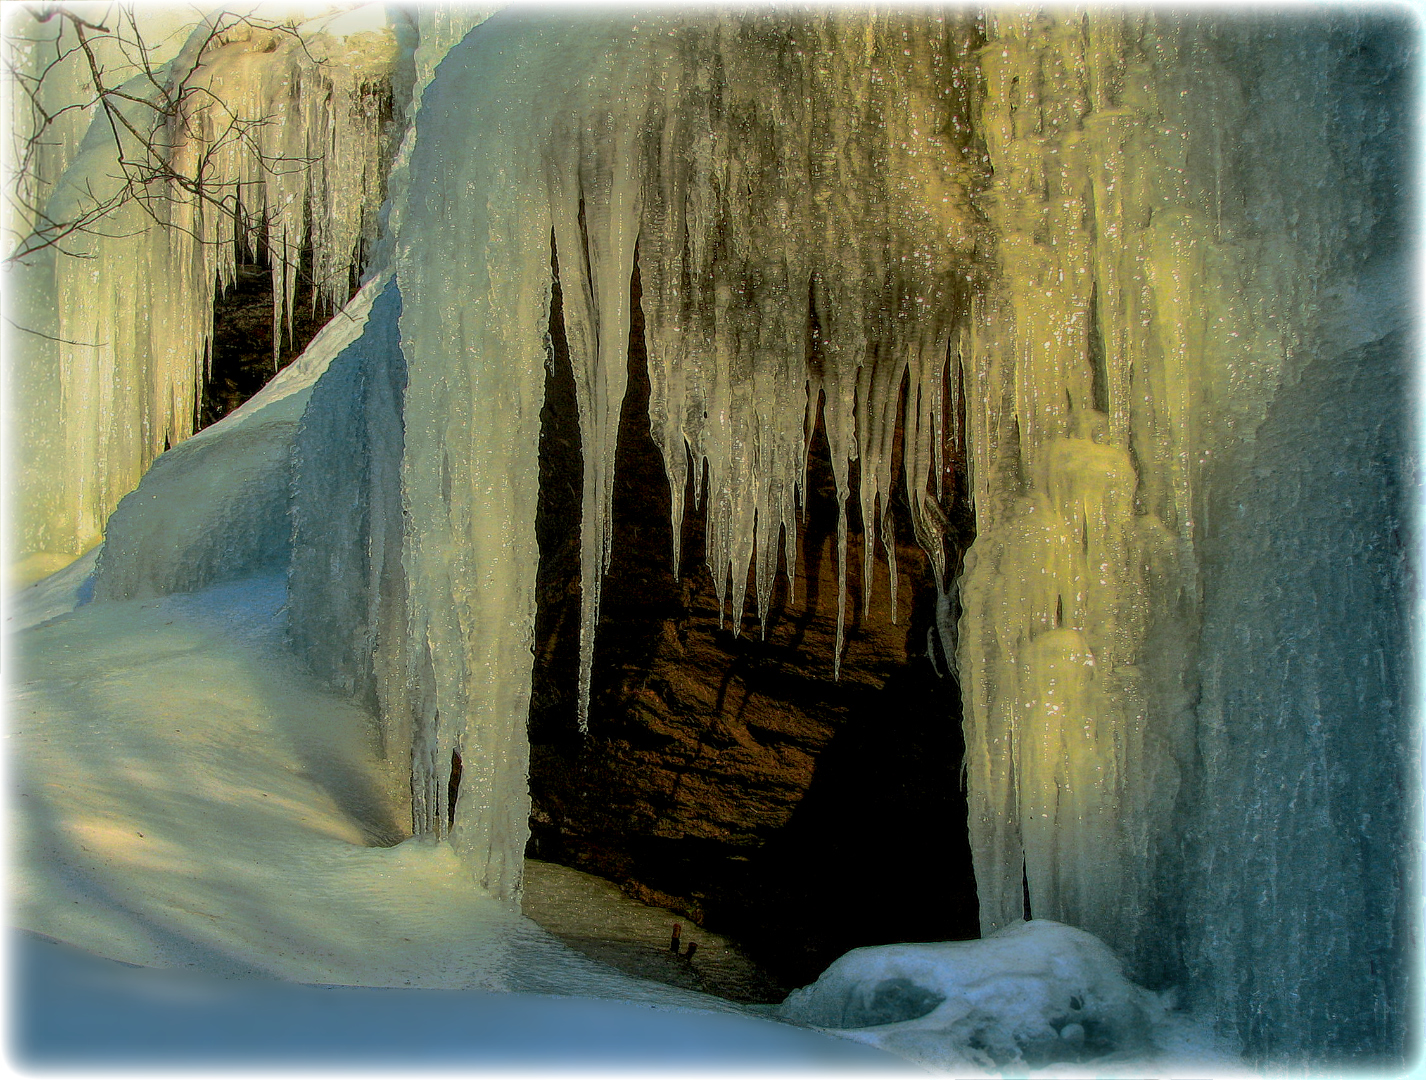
(185, 798)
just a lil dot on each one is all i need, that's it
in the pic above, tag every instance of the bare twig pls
(147, 128)
(51, 337)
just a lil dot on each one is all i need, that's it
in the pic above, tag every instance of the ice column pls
(473, 259)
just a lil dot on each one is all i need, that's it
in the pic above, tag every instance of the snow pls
(78, 1012)
(187, 799)
(1030, 999)
(54, 595)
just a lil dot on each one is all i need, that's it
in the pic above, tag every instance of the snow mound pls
(214, 508)
(1031, 995)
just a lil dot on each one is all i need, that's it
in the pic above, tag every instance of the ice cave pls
(920, 498)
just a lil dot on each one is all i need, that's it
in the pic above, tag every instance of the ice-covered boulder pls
(1030, 995)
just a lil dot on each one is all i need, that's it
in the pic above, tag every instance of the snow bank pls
(186, 798)
(52, 596)
(78, 1011)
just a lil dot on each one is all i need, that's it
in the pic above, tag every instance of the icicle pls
(595, 204)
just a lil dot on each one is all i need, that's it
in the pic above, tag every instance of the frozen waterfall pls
(1143, 273)
(1076, 216)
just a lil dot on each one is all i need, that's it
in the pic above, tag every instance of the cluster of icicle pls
(1122, 325)
(254, 136)
(796, 188)
(788, 159)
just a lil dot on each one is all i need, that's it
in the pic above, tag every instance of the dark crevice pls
(241, 360)
(558, 516)
(453, 789)
(1098, 366)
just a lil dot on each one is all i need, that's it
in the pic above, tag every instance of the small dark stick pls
(692, 948)
(673, 945)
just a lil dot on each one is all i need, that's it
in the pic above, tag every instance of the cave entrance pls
(732, 779)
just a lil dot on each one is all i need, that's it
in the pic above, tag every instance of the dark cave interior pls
(241, 360)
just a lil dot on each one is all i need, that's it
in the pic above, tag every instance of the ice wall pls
(1173, 363)
(255, 133)
(1158, 282)
(1303, 883)
(1301, 902)
(345, 584)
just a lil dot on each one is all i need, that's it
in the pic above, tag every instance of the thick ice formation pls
(253, 134)
(345, 580)
(1137, 325)
(1157, 281)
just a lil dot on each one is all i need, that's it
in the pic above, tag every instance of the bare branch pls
(145, 158)
(51, 337)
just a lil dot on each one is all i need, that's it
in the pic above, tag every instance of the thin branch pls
(51, 337)
(148, 176)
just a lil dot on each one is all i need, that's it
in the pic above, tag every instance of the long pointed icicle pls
(595, 202)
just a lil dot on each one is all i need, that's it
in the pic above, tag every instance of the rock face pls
(732, 778)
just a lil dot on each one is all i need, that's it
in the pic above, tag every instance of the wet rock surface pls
(593, 917)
